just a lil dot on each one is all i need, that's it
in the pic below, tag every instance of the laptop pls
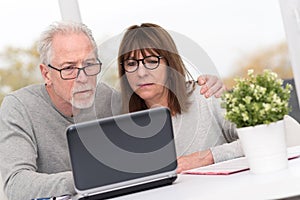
(122, 154)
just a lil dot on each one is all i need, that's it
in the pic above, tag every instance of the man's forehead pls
(72, 48)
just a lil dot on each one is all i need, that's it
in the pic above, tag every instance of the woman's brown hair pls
(154, 39)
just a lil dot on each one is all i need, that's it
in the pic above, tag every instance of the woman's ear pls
(45, 74)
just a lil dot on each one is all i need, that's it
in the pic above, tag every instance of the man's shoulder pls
(25, 94)
(108, 100)
(34, 89)
(106, 91)
(103, 87)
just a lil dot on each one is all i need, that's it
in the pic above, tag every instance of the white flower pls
(267, 106)
(247, 99)
(250, 72)
(245, 116)
(276, 99)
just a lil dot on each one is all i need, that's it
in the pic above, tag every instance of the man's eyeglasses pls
(72, 72)
(149, 62)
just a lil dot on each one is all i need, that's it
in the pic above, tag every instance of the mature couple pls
(33, 147)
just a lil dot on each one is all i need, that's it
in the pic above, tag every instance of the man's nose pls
(81, 76)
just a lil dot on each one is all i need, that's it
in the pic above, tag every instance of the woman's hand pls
(194, 160)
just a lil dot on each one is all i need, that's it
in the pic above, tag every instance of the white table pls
(243, 185)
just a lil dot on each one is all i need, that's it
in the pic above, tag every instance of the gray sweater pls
(33, 147)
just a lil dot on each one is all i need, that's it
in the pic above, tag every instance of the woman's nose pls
(142, 71)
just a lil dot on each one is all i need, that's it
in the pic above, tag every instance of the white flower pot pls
(264, 147)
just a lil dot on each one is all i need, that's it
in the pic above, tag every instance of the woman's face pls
(149, 83)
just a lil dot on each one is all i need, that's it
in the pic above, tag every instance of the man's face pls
(72, 50)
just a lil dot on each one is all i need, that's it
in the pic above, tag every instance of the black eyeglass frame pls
(143, 61)
(79, 69)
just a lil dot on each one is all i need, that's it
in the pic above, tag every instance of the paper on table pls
(234, 165)
(222, 168)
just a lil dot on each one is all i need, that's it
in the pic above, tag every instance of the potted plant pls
(257, 105)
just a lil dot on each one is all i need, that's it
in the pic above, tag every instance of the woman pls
(153, 74)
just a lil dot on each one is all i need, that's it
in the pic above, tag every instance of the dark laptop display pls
(121, 152)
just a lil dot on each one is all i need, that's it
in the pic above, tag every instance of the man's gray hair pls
(45, 42)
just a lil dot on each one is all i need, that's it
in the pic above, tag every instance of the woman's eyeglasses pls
(149, 62)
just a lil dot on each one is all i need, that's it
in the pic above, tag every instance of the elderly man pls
(33, 147)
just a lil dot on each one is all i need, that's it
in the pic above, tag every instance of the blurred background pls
(235, 34)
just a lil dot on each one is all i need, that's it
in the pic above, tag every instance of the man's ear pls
(45, 74)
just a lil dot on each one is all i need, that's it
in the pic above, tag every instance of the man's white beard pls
(82, 104)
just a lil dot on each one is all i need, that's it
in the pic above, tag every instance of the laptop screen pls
(121, 148)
